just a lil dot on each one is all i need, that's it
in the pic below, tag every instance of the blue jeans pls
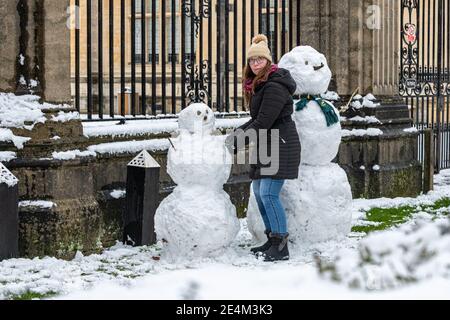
(267, 193)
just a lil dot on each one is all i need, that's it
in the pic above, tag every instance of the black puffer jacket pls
(271, 107)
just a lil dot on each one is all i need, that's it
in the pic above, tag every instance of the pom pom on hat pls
(260, 38)
(259, 48)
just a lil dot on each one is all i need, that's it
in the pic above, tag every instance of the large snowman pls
(197, 219)
(318, 203)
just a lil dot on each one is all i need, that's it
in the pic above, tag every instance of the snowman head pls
(309, 68)
(198, 118)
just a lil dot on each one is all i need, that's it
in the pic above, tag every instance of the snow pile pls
(118, 194)
(72, 154)
(37, 203)
(7, 177)
(388, 259)
(130, 146)
(6, 156)
(372, 132)
(66, 116)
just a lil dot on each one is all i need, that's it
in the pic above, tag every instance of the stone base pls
(385, 165)
(70, 226)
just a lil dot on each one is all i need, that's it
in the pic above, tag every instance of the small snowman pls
(198, 218)
(318, 203)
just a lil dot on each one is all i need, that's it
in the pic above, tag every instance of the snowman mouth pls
(316, 68)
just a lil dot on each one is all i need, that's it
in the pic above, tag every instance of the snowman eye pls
(306, 62)
(199, 113)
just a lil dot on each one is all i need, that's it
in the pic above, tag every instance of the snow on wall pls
(7, 135)
(72, 154)
(15, 111)
(361, 132)
(130, 146)
(368, 119)
(141, 127)
(38, 203)
(118, 194)
(25, 112)
(66, 116)
(6, 156)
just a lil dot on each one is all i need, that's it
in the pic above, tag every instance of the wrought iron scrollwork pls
(409, 82)
(197, 79)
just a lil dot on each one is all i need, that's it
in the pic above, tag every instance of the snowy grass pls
(386, 218)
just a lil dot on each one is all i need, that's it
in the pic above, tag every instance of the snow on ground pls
(124, 272)
(415, 251)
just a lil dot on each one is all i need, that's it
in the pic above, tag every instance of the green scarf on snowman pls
(327, 110)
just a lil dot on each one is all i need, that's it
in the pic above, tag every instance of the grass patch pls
(443, 203)
(386, 218)
(33, 295)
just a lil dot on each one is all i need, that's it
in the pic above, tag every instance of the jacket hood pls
(284, 77)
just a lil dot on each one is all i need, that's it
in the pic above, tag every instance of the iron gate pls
(425, 76)
(140, 58)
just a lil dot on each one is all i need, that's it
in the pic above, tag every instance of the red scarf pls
(248, 85)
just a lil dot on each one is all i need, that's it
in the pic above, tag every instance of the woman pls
(268, 91)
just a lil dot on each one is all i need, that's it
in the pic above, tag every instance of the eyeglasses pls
(253, 61)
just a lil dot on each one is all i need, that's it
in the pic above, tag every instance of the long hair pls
(256, 79)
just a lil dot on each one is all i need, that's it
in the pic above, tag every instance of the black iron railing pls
(424, 75)
(170, 53)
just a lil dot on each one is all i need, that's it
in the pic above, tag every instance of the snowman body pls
(318, 203)
(197, 219)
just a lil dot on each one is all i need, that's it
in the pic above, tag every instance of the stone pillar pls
(9, 39)
(56, 55)
(35, 49)
(360, 39)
